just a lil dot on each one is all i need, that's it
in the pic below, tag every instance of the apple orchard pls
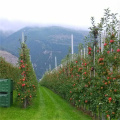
(90, 80)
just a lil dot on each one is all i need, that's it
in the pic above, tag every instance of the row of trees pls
(27, 84)
(92, 81)
(23, 76)
(7, 70)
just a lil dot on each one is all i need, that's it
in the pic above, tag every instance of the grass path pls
(47, 106)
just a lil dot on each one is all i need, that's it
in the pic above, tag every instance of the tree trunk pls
(25, 103)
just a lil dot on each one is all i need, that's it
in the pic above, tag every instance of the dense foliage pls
(8, 71)
(27, 84)
(92, 82)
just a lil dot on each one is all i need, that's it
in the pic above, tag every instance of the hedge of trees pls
(27, 83)
(91, 81)
(23, 76)
(8, 71)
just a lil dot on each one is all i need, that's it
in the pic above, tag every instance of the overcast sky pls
(15, 14)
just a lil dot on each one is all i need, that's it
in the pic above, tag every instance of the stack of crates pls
(6, 92)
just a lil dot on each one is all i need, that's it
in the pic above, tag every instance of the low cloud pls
(7, 25)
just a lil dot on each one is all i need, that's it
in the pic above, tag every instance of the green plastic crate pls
(6, 85)
(6, 100)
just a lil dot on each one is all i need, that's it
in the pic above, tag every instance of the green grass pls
(47, 106)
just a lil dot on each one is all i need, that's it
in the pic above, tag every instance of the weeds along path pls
(52, 107)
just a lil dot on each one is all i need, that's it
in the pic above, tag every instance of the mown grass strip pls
(60, 109)
(47, 106)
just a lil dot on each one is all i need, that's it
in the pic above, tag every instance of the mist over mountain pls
(7, 25)
(44, 43)
(15, 25)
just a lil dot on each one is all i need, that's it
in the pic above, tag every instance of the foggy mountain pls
(44, 43)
